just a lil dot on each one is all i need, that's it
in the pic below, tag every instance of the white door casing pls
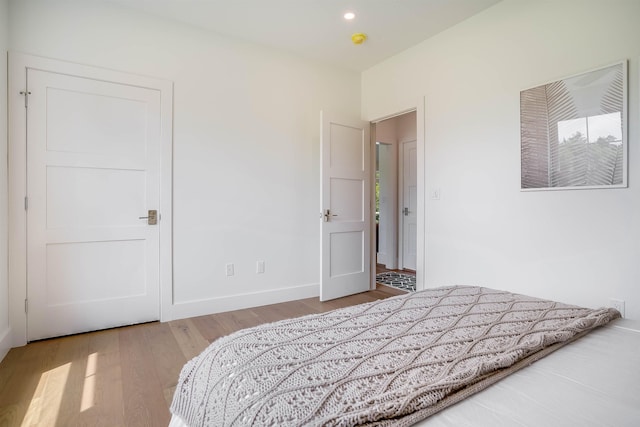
(97, 157)
(346, 207)
(409, 218)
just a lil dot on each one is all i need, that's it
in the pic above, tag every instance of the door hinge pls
(26, 305)
(26, 203)
(26, 94)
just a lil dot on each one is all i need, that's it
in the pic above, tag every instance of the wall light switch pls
(260, 267)
(230, 271)
(434, 194)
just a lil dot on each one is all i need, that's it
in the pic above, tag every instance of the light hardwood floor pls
(125, 376)
(380, 268)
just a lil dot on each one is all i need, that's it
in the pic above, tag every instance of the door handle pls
(327, 215)
(405, 211)
(152, 217)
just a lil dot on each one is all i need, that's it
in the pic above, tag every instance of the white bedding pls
(594, 381)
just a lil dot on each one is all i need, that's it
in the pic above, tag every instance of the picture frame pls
(573, 132)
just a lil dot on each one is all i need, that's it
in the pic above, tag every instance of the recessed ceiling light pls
(349, 16)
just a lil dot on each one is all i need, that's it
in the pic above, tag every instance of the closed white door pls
(93, 168)
(410, 202)
(346, 207)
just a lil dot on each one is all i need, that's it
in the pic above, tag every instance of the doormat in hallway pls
(403, 281)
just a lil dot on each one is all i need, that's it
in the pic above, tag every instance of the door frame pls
(17, 173)
(421, 241)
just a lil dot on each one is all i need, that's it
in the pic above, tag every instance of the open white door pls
(409, 215)
(346, 207)
(93, 169)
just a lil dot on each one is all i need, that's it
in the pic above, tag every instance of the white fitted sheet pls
(593, 381)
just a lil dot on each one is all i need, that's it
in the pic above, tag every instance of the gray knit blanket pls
(389, 362)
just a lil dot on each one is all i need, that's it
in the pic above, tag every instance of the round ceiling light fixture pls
(349, 16)
(358, 38)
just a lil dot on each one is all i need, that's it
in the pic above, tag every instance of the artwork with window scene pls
(573, 131)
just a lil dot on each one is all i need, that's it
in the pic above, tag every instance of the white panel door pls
(346, 207)
(410, 208)
(93, 164)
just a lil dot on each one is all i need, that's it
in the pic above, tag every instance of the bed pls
(401, 361)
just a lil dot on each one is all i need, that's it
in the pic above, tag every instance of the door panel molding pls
(17, 165)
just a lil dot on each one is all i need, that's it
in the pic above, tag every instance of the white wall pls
(246, 143)
(386, 131)
(5, 335)
(397, 129)
(406, 127)
(580, 246)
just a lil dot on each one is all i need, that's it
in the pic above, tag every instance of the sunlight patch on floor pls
(48, 396)
(89, 387)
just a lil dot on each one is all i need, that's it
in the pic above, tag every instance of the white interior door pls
(346, 207)
(410, 208)
(93, 165)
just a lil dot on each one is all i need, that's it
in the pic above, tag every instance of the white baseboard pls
(5, 342)
(237, 302)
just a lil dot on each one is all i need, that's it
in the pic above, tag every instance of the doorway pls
(396, 200)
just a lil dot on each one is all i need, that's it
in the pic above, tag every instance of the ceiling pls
(316, 29)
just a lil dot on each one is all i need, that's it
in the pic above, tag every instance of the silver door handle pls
(328, 215)
(152, 217)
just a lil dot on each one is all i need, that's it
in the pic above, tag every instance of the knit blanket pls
(389, 362)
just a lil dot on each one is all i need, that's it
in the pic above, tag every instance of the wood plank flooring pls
(380, 268)
(126, 376)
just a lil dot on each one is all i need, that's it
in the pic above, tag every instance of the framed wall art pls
(573, 132)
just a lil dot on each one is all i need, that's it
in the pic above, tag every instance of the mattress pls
(509, 402)
(593, 381)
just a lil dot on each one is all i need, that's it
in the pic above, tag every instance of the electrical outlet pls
(260, 267)
(618, 304)
(230, 270)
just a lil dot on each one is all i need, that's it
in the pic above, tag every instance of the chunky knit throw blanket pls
(389, 362)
